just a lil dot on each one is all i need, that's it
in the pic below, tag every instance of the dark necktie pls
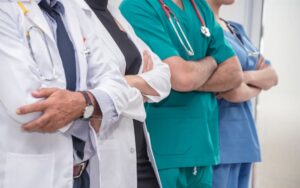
(64, 43)
(67, 54)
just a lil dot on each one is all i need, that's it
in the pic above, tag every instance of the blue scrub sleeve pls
(148, 27)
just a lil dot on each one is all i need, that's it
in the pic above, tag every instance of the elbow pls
(275, 79)
(273, 82)
(183, 83)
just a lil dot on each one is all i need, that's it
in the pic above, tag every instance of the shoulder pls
(137, 6)
(9, 7)
(136, 3)
(239, 28)
(10, 13)
(204, 7)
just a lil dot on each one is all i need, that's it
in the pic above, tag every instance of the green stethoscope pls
(184, 41)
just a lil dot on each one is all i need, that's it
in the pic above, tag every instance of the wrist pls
(247, 77)
(97, 110)
(81, 103)
(133, 81)
(89, 106)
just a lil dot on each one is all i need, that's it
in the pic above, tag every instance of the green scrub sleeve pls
(148, 27)
(219, 48)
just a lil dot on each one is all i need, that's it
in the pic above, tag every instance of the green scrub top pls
(183, 127)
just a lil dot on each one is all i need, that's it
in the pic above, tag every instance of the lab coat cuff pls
(163, 92)
(80, 129)
(107, 106)
(66, 128)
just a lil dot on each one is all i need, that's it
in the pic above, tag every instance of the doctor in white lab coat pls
(118, 160)
(34, 154)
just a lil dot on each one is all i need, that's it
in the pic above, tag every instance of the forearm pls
(263, 78)
(188, 76)
(227, 76)
(204, 69)
(241, 94)
(139, 83)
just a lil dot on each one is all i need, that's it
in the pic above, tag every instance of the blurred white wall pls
(278, 110)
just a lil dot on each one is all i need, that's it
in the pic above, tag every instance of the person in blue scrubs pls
(239, 145)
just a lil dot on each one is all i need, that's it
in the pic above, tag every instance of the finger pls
(44, 92)
(37, 124)
(150, 64)
(146, 61)
(35, 107)
(48, 128)
(219, 96)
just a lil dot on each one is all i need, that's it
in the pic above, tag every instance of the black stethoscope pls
(204, 29)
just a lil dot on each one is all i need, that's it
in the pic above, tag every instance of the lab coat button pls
(132, 150)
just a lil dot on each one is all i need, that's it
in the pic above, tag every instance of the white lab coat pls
(36, 160)
(117, 143)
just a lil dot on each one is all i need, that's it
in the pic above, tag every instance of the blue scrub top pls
(238, 137)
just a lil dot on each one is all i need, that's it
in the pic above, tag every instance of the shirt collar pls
(54, 2)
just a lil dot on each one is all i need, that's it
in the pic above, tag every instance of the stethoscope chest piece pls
(205, 31)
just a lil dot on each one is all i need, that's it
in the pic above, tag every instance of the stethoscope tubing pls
(28, 38)
(183, 38)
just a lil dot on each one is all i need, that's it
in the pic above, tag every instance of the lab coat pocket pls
(28, 171)
(110, 165)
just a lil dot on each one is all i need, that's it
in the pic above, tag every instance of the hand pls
(148, 62)
(59, 108)
(261, 63)
(96, 123)
(240, 94)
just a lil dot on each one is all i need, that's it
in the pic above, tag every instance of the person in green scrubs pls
(184, 127)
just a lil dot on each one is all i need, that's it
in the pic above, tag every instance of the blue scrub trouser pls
(232, 175)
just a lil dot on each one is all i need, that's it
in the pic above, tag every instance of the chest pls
(243, 48)
(38, 36)
(184, 28)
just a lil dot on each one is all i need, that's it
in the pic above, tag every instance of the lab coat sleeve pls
(159, 78)
(103, 74)
(17, 80)
(131, 100)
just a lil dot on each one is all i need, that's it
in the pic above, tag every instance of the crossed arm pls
(253, 83)
(204, 75)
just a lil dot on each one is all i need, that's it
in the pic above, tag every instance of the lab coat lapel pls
(36, 16)
(130, 32)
